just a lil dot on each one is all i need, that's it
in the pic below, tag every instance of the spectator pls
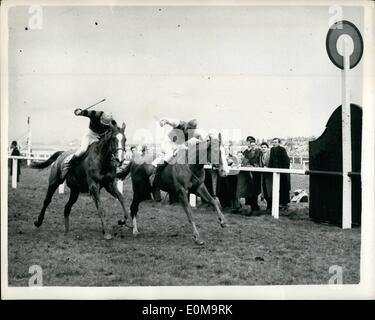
(133, 150)
(232, 159)
(266, 177)
(280, 159)
(251, 154)
(131, 153)
(232, 180)
(144, 151)
(251, 159)
(15, 152)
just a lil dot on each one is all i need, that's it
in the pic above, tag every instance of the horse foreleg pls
(187, 208)
(95, 193)
(115, 192)
(68, 207)
(51, 190)
(203, 192)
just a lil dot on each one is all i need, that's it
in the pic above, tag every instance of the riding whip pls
(94, 104)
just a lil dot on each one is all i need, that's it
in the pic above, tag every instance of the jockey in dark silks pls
(100, 123)
(182, 134)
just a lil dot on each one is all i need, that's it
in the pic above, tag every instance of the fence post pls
(61, 187)
(346, 143)
(14, 173)
(120, 185)
(193, 200)
(275, 194)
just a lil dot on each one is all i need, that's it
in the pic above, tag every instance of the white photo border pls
(364, 290)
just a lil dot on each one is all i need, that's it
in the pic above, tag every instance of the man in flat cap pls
(251, 158)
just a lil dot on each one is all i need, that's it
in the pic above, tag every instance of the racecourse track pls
(252, 250)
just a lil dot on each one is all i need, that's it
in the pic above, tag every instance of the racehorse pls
(95, 170)
(185, 174)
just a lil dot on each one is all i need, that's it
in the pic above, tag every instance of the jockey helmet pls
(106, 119)
(192, 124)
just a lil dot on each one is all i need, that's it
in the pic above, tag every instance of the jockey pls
(100, 123)
(182, 134)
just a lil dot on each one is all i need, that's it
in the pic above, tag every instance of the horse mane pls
(103, 144)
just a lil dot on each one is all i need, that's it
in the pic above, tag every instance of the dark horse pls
(185, 175)
(95, 170)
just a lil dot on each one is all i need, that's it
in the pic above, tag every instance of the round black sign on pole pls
(335, 31)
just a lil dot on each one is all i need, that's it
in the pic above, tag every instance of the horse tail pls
(123, 173)
(46, 163)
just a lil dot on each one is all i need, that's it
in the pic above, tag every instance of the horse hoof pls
(37, 223)
(135, 233)
(199, 242)
(107, 236)
(223, 224)
(121, 222)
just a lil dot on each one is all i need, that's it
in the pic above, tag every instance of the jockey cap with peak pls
(106, 119)
(192, 124)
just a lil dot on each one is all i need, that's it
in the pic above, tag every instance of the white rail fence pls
(275, 186)
(15, 169)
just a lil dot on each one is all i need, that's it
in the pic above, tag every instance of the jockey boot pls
(156, 181)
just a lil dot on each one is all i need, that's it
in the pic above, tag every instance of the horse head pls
(115, 140)
(216, 155)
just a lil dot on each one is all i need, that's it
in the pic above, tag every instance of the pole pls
(346, 142)
(28, 140)
(275, 194)
(120, 185)
(193, 200)
(61, 188)
(14, 173)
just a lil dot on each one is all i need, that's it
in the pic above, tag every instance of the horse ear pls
(220, 137)
(123, 127)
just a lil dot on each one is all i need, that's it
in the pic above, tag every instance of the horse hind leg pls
(51, 190)
(203, 192)
(68, 207)
(186, 205)
(134, 207)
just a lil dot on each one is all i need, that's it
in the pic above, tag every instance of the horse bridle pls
(114, 157)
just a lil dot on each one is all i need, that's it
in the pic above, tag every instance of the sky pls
(260, 71)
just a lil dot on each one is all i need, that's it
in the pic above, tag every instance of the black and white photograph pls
(167, 150)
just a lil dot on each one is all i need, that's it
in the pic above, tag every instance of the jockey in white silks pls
(182, 134)
(100, 123)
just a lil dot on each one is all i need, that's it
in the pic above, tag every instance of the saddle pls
(66, 163)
